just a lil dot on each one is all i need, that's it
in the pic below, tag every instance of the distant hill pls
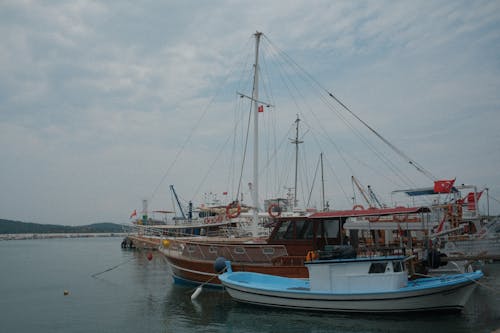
(16, 227)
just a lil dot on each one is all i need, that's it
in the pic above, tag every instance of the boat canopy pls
(413, 192)
(369, 212)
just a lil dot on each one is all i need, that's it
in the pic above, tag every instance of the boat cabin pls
(302, 234)
(319, 231)
(375, 274)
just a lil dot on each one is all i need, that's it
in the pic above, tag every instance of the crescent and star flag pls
(134, 213)
(471, 200)
(261, 108)
(443, 186)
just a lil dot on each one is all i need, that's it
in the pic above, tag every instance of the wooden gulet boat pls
(377, 284)
(283, 253)
(293, 237)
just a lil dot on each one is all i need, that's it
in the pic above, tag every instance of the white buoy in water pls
(196, 293)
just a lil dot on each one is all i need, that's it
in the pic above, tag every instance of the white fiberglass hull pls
(449, 296)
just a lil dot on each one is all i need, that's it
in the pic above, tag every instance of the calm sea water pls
(138, 295)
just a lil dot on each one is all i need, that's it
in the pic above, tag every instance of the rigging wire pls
(313, 182)
(244, 151)
(380, 156)
(198, 189)
(411, 161)
(193, 129)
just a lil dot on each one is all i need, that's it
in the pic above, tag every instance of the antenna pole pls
(296, 142)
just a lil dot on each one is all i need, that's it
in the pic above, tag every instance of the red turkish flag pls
(471, 200)
(443, 186)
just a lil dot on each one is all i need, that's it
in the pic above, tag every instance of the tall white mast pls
(255, 98)
(323, 205)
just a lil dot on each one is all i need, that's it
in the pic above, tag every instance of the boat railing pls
(146, 231)
(289, 261)
(373, 251)
(152, 231)
(252, 253)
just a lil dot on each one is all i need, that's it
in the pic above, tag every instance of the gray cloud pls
(96, 98)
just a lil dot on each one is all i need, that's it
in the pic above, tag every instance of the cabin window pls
(191, 248)
(331, 228)
(397, 266)
(268, 251)
(212, 249)
(304, 229)
(239, 250)
(285, 231)
(377, 267)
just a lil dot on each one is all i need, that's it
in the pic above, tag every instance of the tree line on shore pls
(17, 227)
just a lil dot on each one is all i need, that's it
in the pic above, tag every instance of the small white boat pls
(377, 284)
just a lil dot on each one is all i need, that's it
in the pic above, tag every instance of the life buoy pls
(358, 207)
(231, 206)
(270, 210)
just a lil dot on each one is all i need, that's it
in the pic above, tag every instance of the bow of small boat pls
(445, 280)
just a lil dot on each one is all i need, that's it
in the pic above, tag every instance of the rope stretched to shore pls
(111, 268)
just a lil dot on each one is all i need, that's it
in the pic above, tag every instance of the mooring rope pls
(111, 268)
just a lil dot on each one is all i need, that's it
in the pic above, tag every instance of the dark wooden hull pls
(203, 271)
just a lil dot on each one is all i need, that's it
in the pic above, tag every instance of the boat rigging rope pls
(198, 189)
(412, 162)
(244, 152)
(195, 127)
(396, 149)
(332, 105)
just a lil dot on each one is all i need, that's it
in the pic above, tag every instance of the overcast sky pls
(99, 100)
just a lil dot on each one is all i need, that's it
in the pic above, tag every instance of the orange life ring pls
(270, 210)
(228, 210)
(358, 207)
